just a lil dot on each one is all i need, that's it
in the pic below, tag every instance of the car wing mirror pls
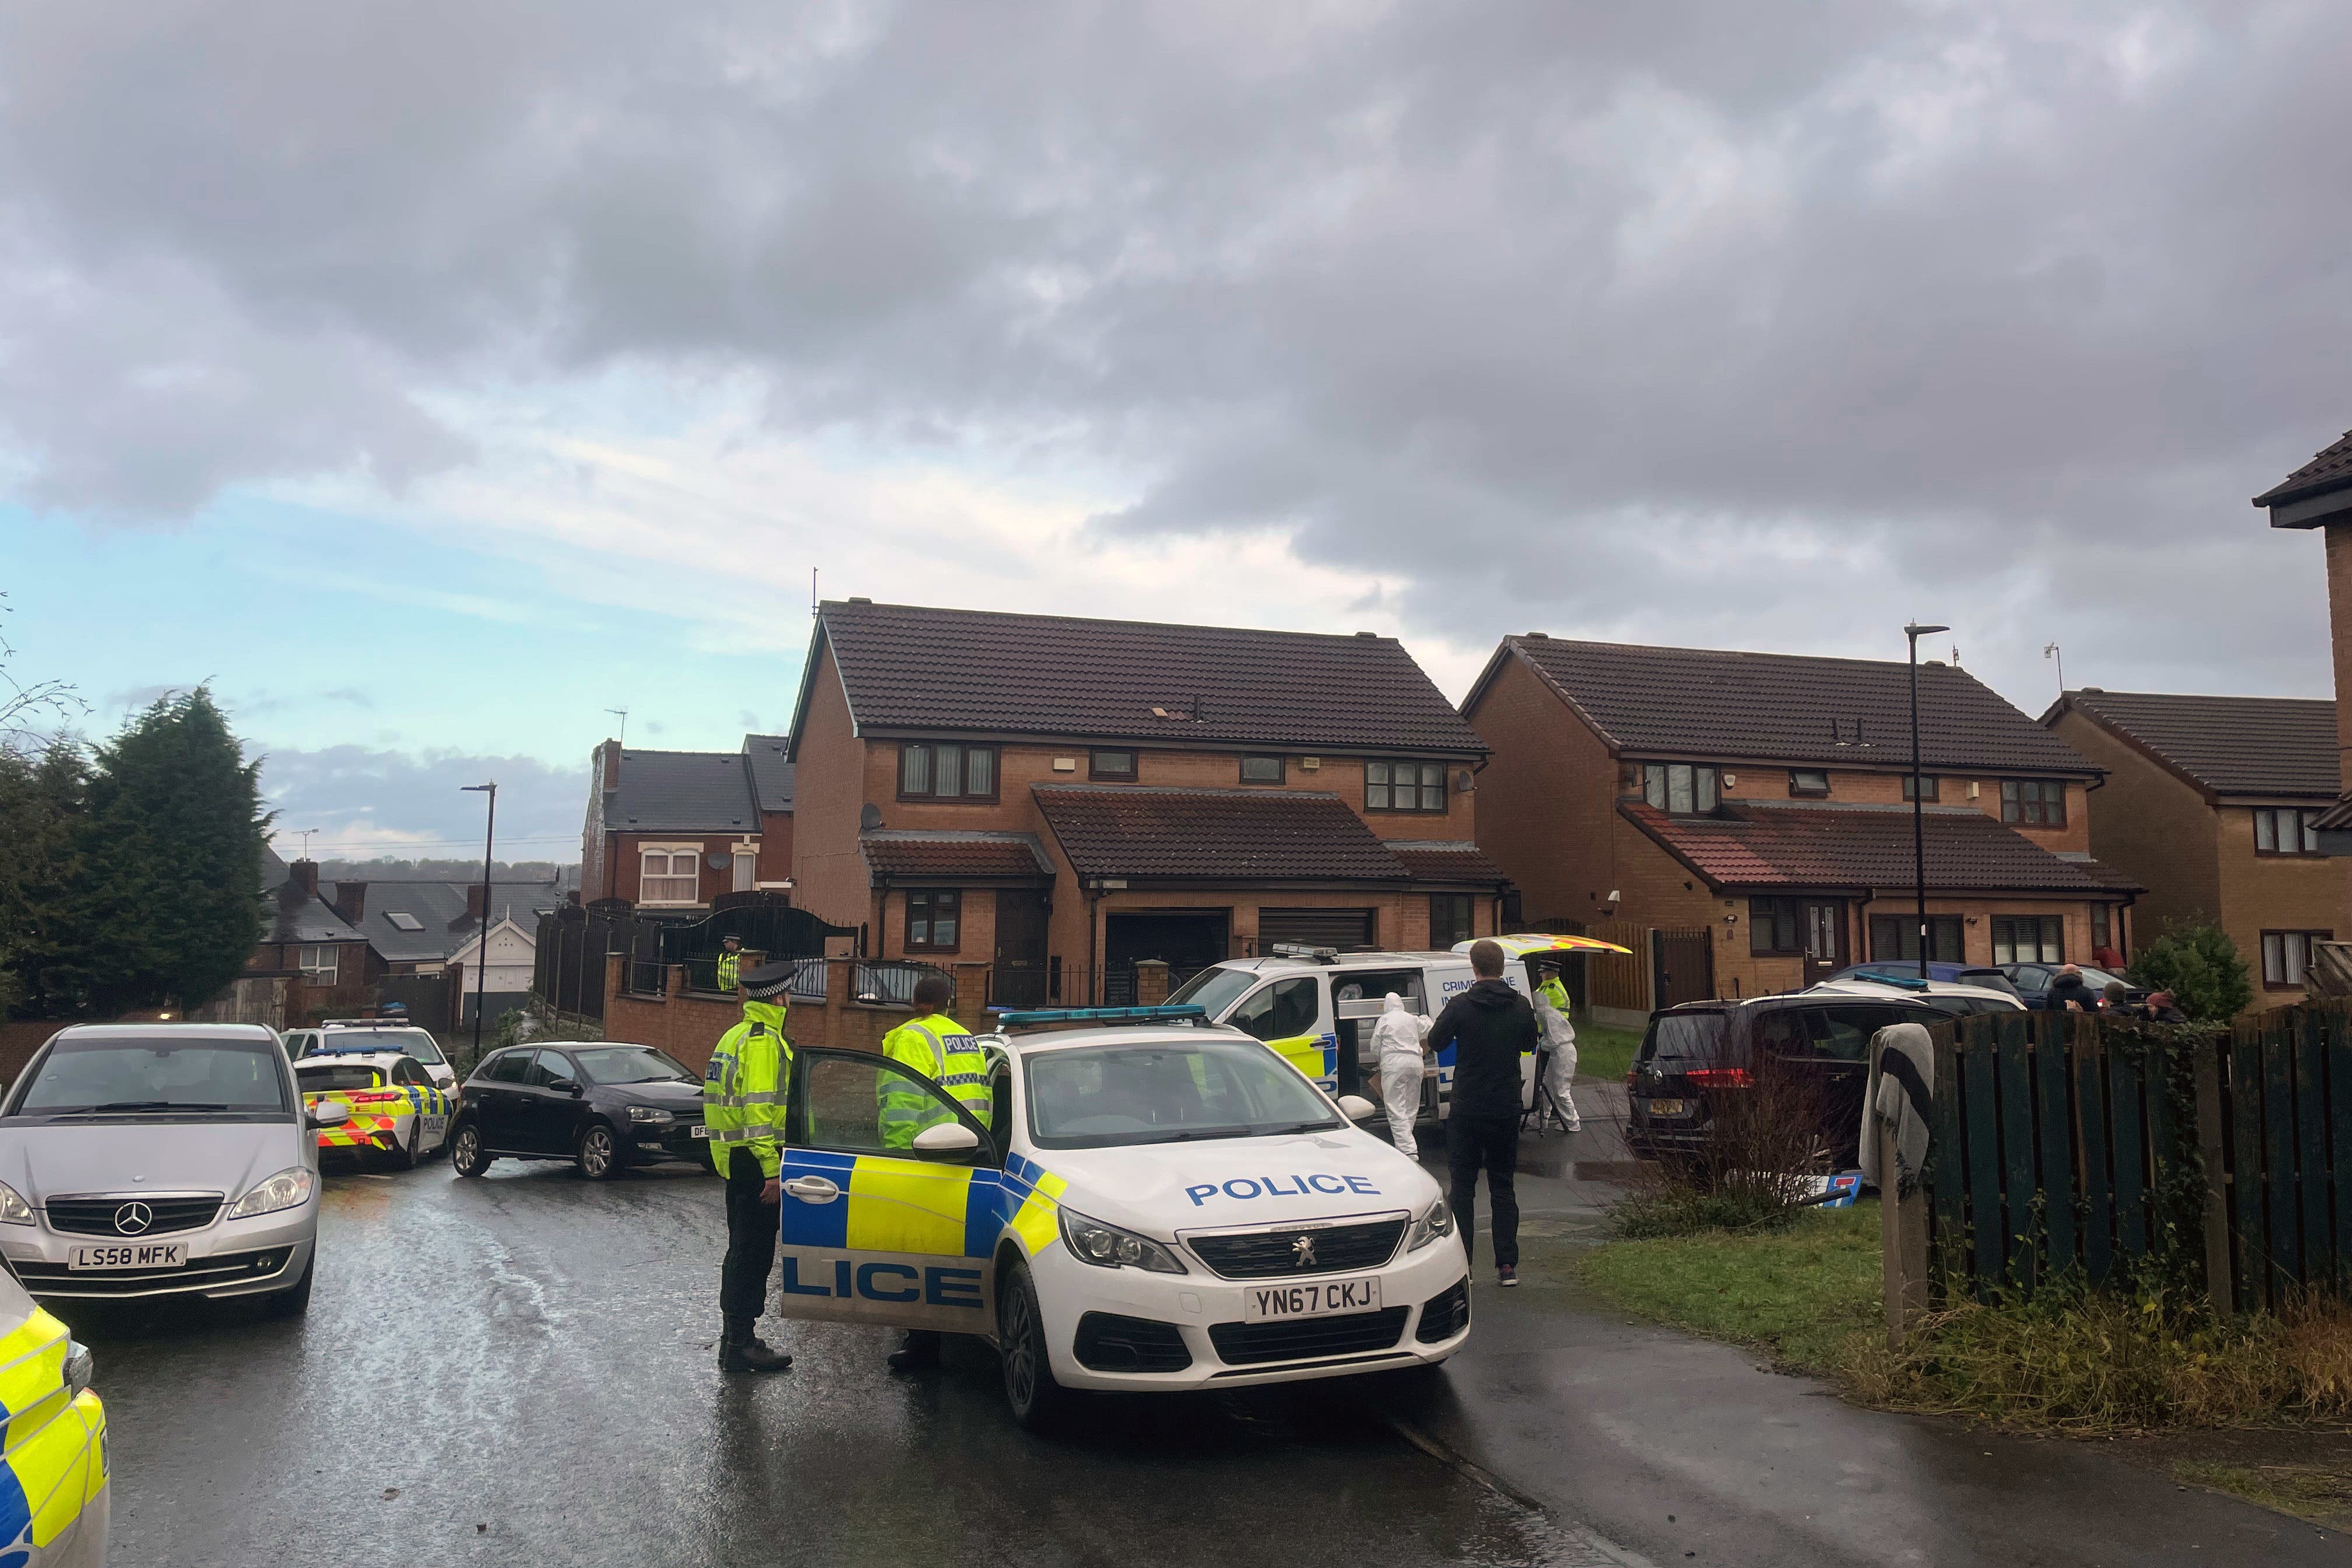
(330, 1113)
(947, 1140)
(564, 1085)
(1355, 1108)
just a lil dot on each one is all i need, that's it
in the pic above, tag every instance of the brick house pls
(2212, 804)
(1744, 817)
(327, 963)
(1064, 798)
(672, 830)
(2318, 495)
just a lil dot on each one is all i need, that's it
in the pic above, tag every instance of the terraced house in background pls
(669, 831)
(1743, 820)
(1077, 802)
(2213, 804)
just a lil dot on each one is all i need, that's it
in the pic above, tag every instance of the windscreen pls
(1098, 1097)
(156, 1075)
(629, 1064)
(331, 1080)
(417, 1043)
(1214, 990)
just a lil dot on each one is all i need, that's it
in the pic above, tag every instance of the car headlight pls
(14, 1210)
(1108, 1247)
(285, 1190)
(649, 1113)
(1430, 1222)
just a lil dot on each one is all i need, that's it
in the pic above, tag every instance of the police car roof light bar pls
(1167, 1015)
(1301, 950)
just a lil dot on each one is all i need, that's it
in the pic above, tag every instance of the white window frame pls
(319, 970)
(744, 868)
(669, 879)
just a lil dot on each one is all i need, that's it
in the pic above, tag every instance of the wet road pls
(520, 1369)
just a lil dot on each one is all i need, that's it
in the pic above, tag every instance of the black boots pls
(741, 1349)
(920, 1352)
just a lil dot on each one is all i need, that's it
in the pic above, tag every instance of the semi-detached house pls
(1746, 819)
(1063, 799)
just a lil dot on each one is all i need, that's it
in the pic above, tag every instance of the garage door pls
(1346, 930)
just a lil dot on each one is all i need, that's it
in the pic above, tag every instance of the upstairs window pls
(1684, 788)
(1809, 781)
(2034, 803)
(1119, 766)
(1262, 769)
(1405, 786)
(670, 875)
(2283, 830)
(319, 964)
(945, 770)
(1932, 788)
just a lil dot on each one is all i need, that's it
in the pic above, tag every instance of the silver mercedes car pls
(144, 1160)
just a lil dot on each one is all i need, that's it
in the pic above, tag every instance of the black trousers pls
(751, 1230)
(1492, 1143)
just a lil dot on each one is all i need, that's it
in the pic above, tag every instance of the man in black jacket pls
(2069, 992)
(1490, 1025)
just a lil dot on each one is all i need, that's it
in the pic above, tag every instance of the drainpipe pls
(1094, 943)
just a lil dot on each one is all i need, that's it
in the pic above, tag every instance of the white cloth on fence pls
(1902, 1076)
(1397, 1035)
(1560, 1065)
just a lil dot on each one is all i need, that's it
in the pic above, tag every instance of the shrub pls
(1755, 1169)
(2202, 969)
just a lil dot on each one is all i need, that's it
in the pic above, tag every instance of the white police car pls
(1155, 1201)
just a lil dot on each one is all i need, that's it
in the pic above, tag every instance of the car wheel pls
(1038, 1401)
(466, 1153)
(405, 1159)
(600, 1152)
(295, 1301)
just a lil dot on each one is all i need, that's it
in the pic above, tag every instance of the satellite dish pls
(719, 862)
(869, 818)
(1463, 782)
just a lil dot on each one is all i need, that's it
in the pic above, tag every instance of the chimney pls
(473, 903)
(351, 902)
(304, 874)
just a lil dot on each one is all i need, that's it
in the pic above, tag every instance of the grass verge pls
(1604, 1052)
(2320, 1493)
(1799, 1291)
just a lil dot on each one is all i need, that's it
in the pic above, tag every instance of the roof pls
(2225, 746)
(915, 671)
(1431, 861)
(308, 919)
(684, 792)
(769, 758)
(439, 910)
(1225, 835)
(898, 854)
(1775, 846)
(1707, 705)
(2329, 468)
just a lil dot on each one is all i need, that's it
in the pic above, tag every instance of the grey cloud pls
(1692, 320)
(353, 795)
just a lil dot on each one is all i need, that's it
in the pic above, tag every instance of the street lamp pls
(489, 836)
(1914, 631)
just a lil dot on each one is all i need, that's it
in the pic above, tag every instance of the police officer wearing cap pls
(742, 1101)
(731, 961)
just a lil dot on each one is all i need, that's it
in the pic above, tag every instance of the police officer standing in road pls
(742, 1101)
(933, 1045)
(731, 961)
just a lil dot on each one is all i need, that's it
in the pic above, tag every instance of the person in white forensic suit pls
(1398, 1034)
(1559, 1041)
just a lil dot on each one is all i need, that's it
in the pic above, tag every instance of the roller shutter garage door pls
(1343, 929)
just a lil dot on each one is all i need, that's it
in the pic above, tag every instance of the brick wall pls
(829, 787)
(775, 846)
(2274, 892)
(689, 1026)
(1549, 796)
(2151, 824)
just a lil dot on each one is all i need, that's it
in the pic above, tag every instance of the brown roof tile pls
(908, 668)
(2230, 745)
(1225, 835)
(2329, 468)
(899, 854)
(1706, 705)
(1435, 862)
(1764, 848)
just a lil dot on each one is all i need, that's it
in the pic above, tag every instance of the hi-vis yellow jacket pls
(744, 1087)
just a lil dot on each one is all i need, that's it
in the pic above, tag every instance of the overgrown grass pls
(1604, 1052)
(2318, 1492)
(1668, 1207)
(1800, 1291)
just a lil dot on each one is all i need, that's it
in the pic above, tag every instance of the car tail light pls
(374, 1095)
(1721, 1077)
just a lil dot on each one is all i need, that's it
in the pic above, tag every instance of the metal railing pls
(892, 980)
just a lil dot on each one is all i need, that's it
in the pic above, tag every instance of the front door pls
(872, 1233)
(1020, 977)
(1825, 937)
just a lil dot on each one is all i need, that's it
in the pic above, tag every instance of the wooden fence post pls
(2205, 1062)
(1902, 1239)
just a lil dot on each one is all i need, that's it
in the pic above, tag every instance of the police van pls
(1315, 1007)
(1152, 1201)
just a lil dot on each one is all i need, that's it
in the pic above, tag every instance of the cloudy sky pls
(434, 376)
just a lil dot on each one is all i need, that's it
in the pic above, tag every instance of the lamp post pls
(489, 836)
(1913, 631)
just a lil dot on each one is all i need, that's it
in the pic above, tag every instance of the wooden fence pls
(2064, 1145)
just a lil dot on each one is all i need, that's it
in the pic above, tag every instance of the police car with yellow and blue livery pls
(1152, 1201)
(396, 1109)
(54, 1494)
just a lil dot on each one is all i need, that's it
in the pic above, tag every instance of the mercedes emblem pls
(1303, 1251)
(133, 1220)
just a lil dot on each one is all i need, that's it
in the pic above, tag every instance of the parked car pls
(367, 1035)
(1952, 1000)
(2033, 980)
(1695, 1053)
(55, 1446)
(606, 1106)
(1908, 969)
(396, 1109)
(143, 1160)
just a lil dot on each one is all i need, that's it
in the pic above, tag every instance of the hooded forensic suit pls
(1398, 1035)
(1560, 1039)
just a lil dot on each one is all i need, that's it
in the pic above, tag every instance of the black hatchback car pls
(607, 1107)
(1693, 1053)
